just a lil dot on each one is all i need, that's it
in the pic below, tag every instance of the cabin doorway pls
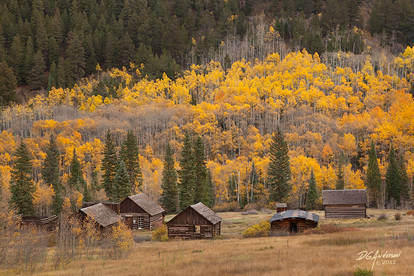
(140, 222)
(293, 227)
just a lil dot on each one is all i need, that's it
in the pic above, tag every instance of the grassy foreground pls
(315, 254)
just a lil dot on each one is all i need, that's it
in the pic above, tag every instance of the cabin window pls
(197, 229)
(140, 222)
(293, 227)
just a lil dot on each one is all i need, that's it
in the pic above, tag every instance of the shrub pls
(261, 229)
(329, 228)
(363, 272)
(397, 216)
(382, 217)
(227, 207)
(121, 240)
(160, 234)
(410, 213)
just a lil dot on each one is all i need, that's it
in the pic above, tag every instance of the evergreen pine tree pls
(21, 184)
(312, 194)
(16, 58)
(36, 78)
(50, 174)
(186, 174)
(60, 74)
(28, 59)
(76, 180)
(169, 196)
(210, 194)
(392, 179)
(130, 155)
(8, 84)
(201, 193)
(373, 180)
(121, 185)
(109, 165)
(404, 179)
(340, 181)
(75, 59)
(279, 168)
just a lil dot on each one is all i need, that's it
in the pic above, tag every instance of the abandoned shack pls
(195, 222)
(42, 223)
(140, 212)
(345, 203)
(281, 207)
(103, 216)
(292, 221)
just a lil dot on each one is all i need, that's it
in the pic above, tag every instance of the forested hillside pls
(53, 43)
(341, 118)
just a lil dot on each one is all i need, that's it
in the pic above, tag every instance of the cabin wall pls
(283, 226)
(136, 218)
(189, 217)
(345, 211)
(193, 232)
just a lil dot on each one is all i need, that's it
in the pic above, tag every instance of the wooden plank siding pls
(345, 211)
(136, 217)
(284, 226)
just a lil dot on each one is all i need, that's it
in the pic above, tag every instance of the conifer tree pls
(340, 181)
(312, 194)
(28, 58)
(169, 196)
(373, 180)
(210, 194)
(50, 173)
(130, 156)
(7, 84)
(186, 174)
(404, 179)
(201, 189)
(392, 179)
(279, 168)
(60, 74)
(75, 59)
(21, 184)
(121, 185)
(36, 78)
(109, 165)
(76, 180)
(16, 58)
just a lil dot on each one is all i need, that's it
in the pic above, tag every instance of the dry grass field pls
(305, 254)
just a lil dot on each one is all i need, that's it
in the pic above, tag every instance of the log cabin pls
(103, 216)
(292, 222)
(345, 203)
(140, 212)
(195, 222)
(43, 223)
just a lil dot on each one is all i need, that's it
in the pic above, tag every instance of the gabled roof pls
(294, 214)
(356, 196)
(149, 206)
(103, 215)
(206, 212)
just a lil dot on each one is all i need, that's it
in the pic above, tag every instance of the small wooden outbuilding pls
(292, 221)
(42, 223)
(140, 212)
(345, 203)
(195, 222)
(281, 207)
(103, 216)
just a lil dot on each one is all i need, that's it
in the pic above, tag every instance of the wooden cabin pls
(42, 223)
(140, 212)
(281, 207)
(195, 222)
(103, 216)
(345, 203)
(292, 221)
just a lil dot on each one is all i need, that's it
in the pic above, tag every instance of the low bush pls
(261, 229)
(382, 217)
(160, 234)
(363, 272)
(328, 228)
(410, 213)
(227, 207)
(397, 216)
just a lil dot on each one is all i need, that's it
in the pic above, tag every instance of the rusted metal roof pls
(103, 215)
(149, 206)
(206, 212)
(294, 214)
(355, 196)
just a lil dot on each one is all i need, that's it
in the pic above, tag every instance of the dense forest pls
(53, 43)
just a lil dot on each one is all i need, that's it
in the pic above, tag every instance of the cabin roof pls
(149, 206)
(206, 212)
(355, 196)
(281, 205)
(294, 214)
(103, 215)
